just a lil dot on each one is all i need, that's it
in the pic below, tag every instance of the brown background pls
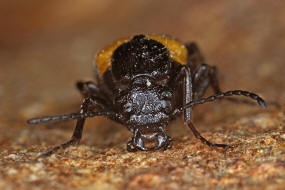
(46, 46)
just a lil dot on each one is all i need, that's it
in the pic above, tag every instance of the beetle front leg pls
(88, 88)
(202, 139)
(187, 97)
(77, 133)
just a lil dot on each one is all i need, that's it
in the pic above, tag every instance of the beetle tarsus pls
(203, 140)
(73, 141)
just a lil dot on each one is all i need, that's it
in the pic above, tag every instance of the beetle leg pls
(185, 75)
(195, 57)
(202, 139)
(88, 88)
(187, 97)
(187, 91)
(204, 76)
(207, 75)
(77, 133)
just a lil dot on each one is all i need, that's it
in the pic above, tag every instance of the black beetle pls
(144, 82)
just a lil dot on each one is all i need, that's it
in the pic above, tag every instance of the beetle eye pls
(166, 94)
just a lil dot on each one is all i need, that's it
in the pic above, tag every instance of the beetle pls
(144, 82)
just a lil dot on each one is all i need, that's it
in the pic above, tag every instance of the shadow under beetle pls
(144, 82)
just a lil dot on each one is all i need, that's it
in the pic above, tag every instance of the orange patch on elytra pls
(103, 58)
(178, 51)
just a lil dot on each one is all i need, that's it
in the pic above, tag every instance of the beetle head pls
(145, 104)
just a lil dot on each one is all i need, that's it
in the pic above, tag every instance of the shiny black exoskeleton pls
(144, 88)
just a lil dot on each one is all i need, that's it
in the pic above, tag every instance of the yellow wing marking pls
(178, 51)
(103, 58)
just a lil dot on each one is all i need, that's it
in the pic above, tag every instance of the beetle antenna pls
(221, 95)
(70, 116)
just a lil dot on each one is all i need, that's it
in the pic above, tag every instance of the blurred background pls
(46, 46)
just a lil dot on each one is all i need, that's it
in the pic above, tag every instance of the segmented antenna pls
(70, 116)
(259, 100)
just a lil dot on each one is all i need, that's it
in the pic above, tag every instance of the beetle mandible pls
(144, 82)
